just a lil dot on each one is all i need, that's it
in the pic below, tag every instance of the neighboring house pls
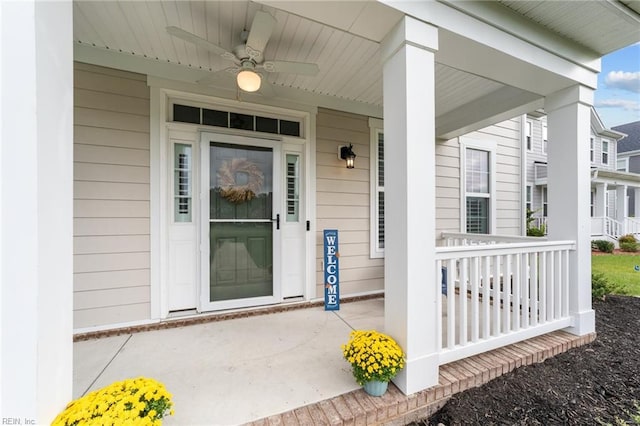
(609, 208)
(628, 160)
(191, 195)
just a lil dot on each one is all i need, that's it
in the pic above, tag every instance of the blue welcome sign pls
(331, 270)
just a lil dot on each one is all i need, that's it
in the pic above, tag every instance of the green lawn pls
(619, 269)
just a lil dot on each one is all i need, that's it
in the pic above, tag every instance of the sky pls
(617, 98)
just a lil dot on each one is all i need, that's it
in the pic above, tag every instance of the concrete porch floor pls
(283, 368)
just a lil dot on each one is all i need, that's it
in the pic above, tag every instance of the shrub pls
(535, 232)
(629, 246)
(139, 401)
(601, 287)
(603, 245)
(628, 238)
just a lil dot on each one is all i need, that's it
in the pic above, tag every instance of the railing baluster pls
(506, 288)
(557, 283)
(543, 286)
(475, 283)
(451, 303)
(565, 286)
(533, 289)
(439, 278)
(486, 292)
(551, 287)
(497, 282)
(517, 302)
(524, 295)
(462, 297)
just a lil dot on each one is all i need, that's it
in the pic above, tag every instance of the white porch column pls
(569, 193)
(600, 207)
(601, 200)
(409, 125)
(36, 210)
(622, 209)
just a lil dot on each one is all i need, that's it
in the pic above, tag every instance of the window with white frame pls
(545, 209)
(593, 202)
(622, 165)
(544, 138)
(182, 182)
(528, 127)
(605, 152)
(478, 159)
(528, 199)
(377, 187)
(592, 150)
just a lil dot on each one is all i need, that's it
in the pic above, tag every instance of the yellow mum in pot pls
(373, 356)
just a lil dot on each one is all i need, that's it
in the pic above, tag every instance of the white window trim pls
(528, 192)
(528, 135)
(483, 145)
(376, 126)
(592, 150)
(626, 163)
(605, 152)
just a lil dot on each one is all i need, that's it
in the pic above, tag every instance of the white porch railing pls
(607, 226)
(539, 222)
(453, 239)
(632, 226)
(497, 294)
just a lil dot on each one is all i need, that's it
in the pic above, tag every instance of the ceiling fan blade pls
(198, 41)
(302, 68)
(261, 29)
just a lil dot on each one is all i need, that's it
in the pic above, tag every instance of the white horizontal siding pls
(111, 196)
(90, 281)
(343, 201)
(508, 197)
(447, 186)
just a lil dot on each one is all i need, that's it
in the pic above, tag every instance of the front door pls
(241, 203)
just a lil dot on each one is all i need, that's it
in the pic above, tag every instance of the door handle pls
(277, 221)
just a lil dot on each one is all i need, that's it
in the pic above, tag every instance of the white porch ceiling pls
(341, 37)
(584, 21)
(349, 64)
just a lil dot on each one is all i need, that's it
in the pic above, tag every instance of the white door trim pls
(204, 303)
(161, 94)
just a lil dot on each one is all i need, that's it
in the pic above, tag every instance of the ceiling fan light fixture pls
(249, 80)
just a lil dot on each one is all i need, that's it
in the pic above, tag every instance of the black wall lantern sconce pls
(346, 153)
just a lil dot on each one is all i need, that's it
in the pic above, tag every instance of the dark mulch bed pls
(583, 386)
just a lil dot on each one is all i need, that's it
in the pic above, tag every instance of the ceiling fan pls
(248, 57)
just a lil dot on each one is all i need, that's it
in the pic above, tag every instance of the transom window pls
(234, 120)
